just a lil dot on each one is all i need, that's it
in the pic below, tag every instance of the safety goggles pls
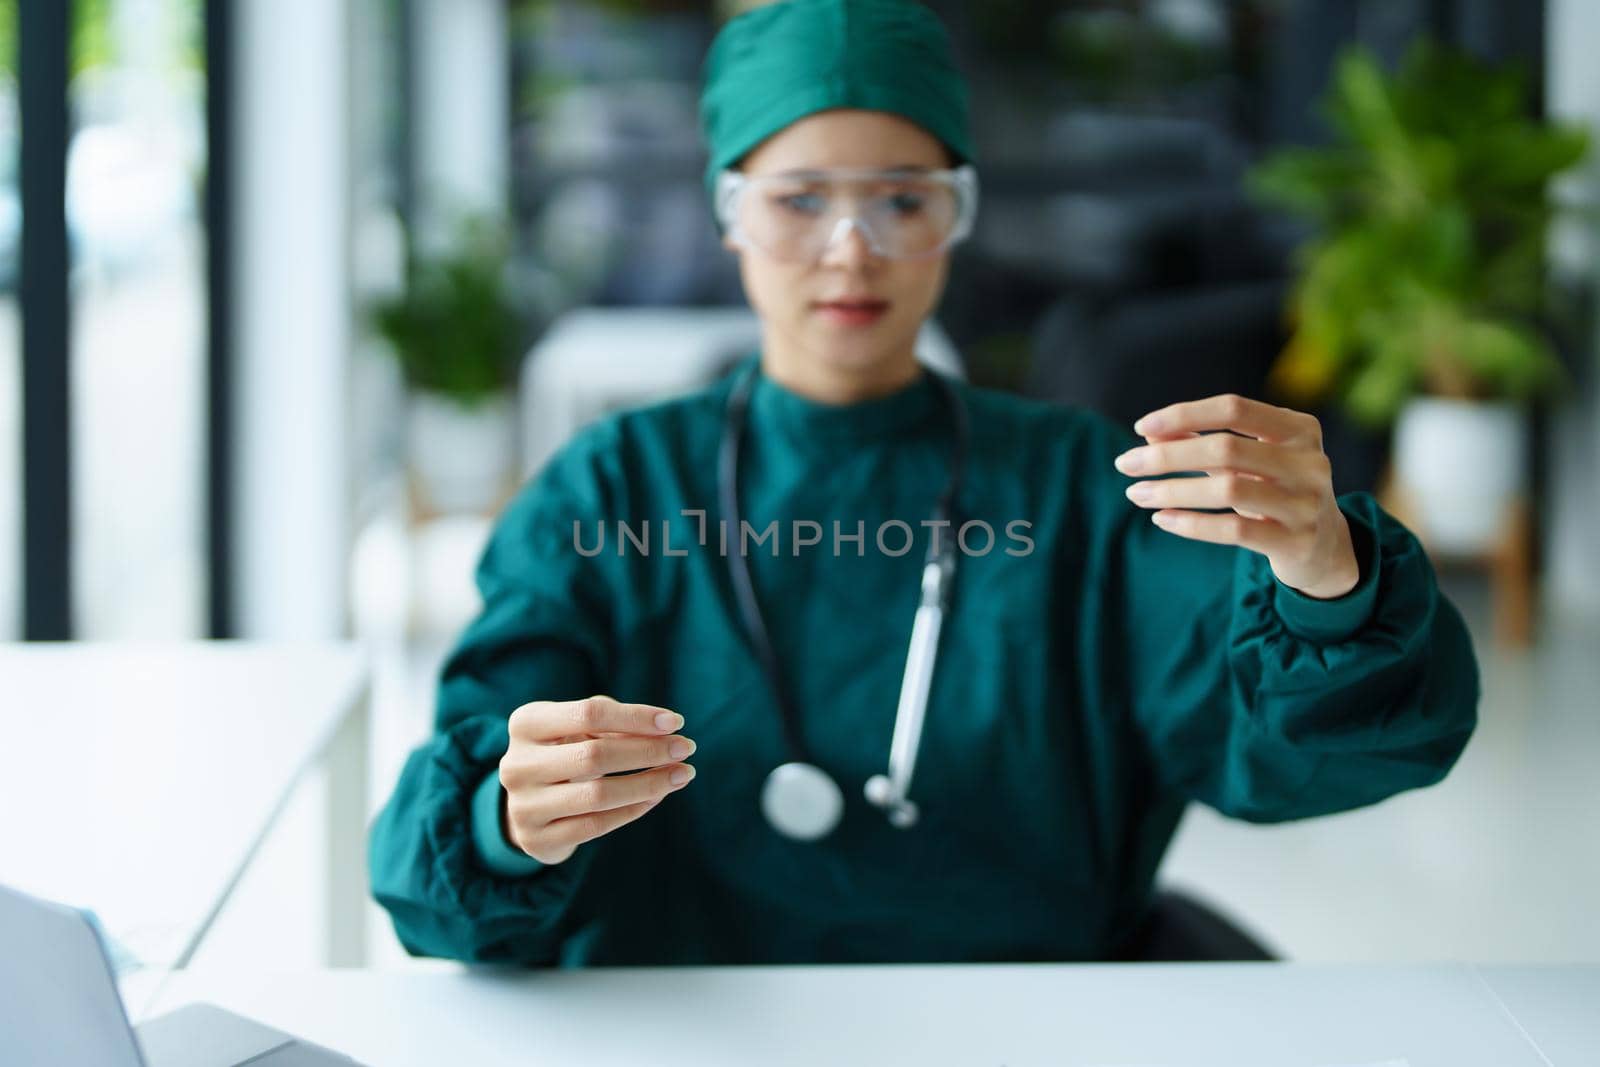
(797, 216)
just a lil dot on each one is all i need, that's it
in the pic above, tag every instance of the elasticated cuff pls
(494, 852)
(1329, 621)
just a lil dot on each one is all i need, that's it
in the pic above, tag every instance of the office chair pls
(1181, 929)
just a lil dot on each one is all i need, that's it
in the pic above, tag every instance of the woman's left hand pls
(1275, 479)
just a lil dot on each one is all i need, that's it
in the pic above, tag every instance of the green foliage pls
(92, 38)
(91, 35)
(1112, 54)
(1427, 273)
(457, 328)
(1000, 361)
(8, 40)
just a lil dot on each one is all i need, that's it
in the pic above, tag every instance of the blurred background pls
(293, 295)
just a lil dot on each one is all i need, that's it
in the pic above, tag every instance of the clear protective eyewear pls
(796, 216)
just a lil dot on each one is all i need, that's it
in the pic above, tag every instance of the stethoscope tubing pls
(938, 574)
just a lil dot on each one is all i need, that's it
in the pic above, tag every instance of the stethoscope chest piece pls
(801, 801)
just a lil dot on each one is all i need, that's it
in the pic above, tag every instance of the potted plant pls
(458, 330)
(1421, 303)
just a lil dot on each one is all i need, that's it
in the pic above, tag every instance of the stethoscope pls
(800, 799)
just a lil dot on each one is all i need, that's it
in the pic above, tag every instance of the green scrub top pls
(1084, 694)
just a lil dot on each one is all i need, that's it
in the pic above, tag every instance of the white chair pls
(597, 360)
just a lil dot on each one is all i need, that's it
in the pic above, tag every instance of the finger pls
(1258, 535)
(1230, 411)
(1211, 452)
(1249, 496)
(586, 760)
(602, 794)
(572, 739)
(577, 829)
(549, 720)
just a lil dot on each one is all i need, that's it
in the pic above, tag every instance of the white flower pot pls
(462, 457)
(1461, 463)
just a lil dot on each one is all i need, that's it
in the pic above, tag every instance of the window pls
(10, 336)
(135, 178)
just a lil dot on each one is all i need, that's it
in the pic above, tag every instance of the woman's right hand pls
(556, 792)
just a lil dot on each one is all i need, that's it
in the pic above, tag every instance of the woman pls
(1110, 652)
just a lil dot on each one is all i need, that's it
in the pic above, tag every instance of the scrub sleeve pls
(453, 885)
(1270, 705)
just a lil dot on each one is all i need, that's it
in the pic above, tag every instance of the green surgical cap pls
(774, 65)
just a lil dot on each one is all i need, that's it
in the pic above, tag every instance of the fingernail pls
(680, 747)
(668, 721)
(1150, 424)
(1162, 519)
(681, 775)
(1132, 460)
(1141, 492)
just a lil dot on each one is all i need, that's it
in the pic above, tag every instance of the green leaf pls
(1315, 182)
(1513, 361)
(1379, 390)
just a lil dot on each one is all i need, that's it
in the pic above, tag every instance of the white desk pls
(1185, 1015)
(1559, 1008)
(139, 779)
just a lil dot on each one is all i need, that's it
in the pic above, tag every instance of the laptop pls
(59, 1005)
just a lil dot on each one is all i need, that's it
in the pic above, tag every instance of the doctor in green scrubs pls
(1178, 611)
